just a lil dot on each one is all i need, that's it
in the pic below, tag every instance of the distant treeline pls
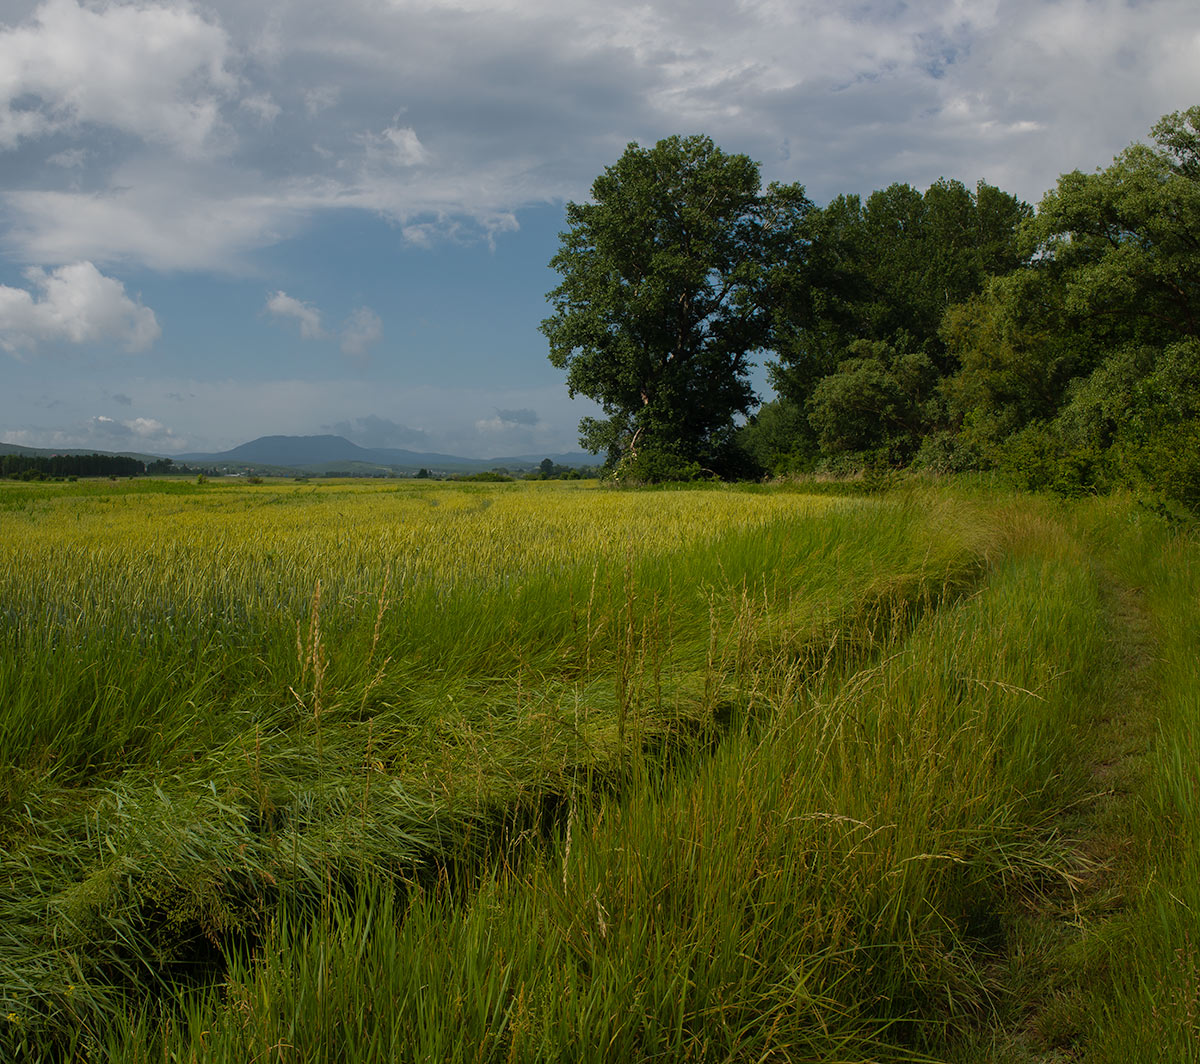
(547, 470)
(40, 467)
(37, 467)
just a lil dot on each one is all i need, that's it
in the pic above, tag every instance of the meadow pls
(375, 771)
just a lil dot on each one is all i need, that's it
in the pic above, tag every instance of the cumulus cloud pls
(166, 216)
(396, 146)
(190, 138)
(506, 420)
(143, 428)
(358, 333)
(74, 304)
(155, 71)
(309, 318)
(103, 434)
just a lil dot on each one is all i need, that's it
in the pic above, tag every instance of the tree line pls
(952, 329)
(36, 467)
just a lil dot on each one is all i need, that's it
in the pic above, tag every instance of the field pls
(378, 771)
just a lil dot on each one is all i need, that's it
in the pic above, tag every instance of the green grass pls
(1147, 1006)
(543, 772)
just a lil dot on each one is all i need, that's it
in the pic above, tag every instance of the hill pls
(327, 455)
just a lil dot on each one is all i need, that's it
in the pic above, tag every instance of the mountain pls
(330, 454)
(297, 451)
(285, 451)
(322, 454)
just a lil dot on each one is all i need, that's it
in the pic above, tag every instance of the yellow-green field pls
(377, 771)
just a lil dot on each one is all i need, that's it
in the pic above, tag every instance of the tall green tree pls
(1124, 242)
(663, 299)
(1055, 354)
(860, 347)
(887, 269)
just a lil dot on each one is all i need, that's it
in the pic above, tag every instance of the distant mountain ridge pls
(324, 454)
(311, 451)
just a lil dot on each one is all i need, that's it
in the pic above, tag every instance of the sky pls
(240, 218)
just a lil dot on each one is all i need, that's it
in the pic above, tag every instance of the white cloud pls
(448, 117)
(77, 305)
(143, 428)
(362, 329)
(167, 217)
(309, 318)
(396, 146)
(262, 107)
(155, 71)
(146, 435)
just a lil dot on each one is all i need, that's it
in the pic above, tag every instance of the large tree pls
(662, 300)
(1080, 369)
(858, 337)
(1114, 269)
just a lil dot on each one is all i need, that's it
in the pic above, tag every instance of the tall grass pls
(1146, 1005)
(826, 883)
(220, 701)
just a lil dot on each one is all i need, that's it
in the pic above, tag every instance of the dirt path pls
(1059, 943)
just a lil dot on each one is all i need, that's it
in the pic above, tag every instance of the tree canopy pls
(950, 328)
(662, 299)
(1079, 369)
(858, 335)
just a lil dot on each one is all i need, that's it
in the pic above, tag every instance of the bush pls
(1038, 458)
(656, 467)
(948, 452)
(490, 476)
(778, 439)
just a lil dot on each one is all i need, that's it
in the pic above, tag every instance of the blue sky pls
(229, 219)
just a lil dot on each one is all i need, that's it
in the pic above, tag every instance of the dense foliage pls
(1082, 368)
(953, 331)
(858, 342)
(948, 330)
(662, 301)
